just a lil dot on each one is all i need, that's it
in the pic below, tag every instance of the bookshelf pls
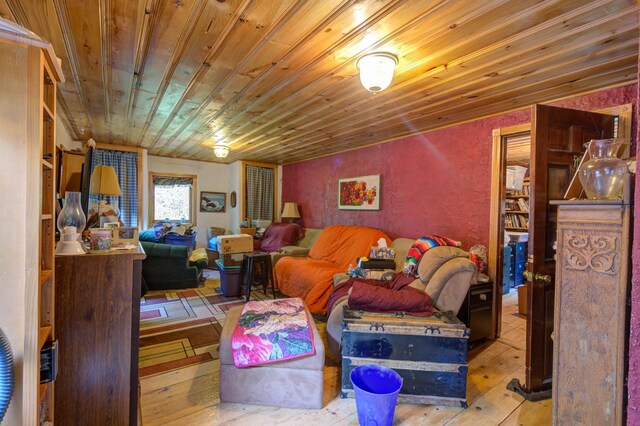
(30, 72)
(46, 291)
(516, 214)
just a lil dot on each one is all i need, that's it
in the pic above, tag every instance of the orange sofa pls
(311, 278)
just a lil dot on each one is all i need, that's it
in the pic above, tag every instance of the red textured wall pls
(433, 183)
(633, 410)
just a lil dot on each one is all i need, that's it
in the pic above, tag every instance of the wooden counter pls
(97, 327)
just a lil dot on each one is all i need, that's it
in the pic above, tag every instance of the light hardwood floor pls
(190, 396)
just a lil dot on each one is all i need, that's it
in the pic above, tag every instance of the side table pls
(476, 311)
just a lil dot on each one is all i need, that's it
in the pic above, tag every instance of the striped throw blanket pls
(420, 247)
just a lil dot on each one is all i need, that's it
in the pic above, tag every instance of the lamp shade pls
(290, 211)
(376, 70)
(104, 181)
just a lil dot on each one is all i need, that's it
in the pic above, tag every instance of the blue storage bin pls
(519, 251)
(506, 270)
(181, 240)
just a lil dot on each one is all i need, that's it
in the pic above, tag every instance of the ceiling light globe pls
(221, 151)
(376, 70)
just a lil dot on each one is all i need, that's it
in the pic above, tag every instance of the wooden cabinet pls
(591, 312)
(97, 326)
(71, 172)
(477, 311)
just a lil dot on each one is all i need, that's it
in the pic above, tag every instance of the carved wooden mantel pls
(591, 314)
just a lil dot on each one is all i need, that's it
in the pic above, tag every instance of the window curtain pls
(260, 182)
(126, 167)
(172, 181)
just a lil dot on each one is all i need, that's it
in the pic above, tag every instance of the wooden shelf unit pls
(46, 290)
(30, 71)
(514, 214)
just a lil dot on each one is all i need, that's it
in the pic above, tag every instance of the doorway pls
(557, 143)
(515, 225)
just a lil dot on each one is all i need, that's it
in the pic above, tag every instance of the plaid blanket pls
(420, 247)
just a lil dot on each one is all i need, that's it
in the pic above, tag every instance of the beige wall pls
(212, 177)
(16, 193)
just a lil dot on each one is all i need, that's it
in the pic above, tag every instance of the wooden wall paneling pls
(75, 94)
(169, 75)
(272, 96)
(298, 59)
(125, 21)
(473, 101)
(486, 62)
(183, 20)
(496, 105)
(238, 75)
(144, 33)
(201, 93)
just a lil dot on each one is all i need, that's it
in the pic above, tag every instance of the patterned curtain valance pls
(172, 180)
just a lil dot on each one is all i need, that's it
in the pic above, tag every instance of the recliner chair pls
(445, 274)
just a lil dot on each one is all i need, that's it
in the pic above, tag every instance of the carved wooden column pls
(591, 314)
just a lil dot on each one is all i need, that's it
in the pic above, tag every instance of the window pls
(260, 191)
(172, 197)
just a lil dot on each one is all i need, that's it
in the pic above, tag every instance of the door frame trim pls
(498, 193)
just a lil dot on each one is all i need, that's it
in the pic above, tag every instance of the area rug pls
(180, 328)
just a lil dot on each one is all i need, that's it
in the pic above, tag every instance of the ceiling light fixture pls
(376, 70)
(220, 150)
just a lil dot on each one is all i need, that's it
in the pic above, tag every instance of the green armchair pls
(167, 267)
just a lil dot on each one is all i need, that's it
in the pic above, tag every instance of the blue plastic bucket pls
(376, 389)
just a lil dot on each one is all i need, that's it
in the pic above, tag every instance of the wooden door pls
(558, 136)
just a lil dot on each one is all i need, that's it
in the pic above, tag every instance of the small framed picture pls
(213, 202)
(359, 193)
(109, 222)
(111, 225)
(125, 235)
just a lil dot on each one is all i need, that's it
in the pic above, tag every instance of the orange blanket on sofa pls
(311, 278)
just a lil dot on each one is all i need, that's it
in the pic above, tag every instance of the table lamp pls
(290, 211)
(104, 182)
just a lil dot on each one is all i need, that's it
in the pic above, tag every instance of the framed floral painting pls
(359, 193)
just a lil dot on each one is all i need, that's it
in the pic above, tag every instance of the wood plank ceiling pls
(277, 81)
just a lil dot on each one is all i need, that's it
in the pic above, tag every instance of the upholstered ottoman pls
(295, 383)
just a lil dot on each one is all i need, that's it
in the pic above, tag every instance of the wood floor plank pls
(163, 380)
(190, 396)
(492, 407)
(530, 414)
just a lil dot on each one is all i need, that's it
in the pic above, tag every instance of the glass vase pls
(602, 176)
(71, 214)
